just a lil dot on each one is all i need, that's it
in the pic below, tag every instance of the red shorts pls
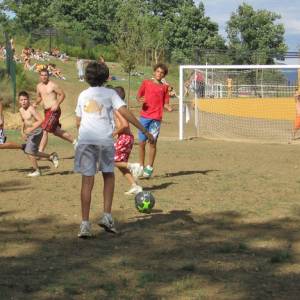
(51, 121)
(123, 147)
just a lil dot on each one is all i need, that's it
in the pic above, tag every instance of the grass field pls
(225, 226)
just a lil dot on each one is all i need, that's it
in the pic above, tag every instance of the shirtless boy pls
(32, 133)
(50, 95)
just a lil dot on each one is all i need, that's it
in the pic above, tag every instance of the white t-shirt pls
(95, 108)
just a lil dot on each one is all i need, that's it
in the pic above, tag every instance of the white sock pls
(85, 222)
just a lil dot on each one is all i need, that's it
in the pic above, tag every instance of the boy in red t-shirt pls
(155, 97)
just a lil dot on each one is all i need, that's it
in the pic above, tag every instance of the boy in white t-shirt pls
(95, 150)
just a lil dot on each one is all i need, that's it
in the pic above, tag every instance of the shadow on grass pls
(158, 186)
(26, 170)
(60, 173)
(13, 185)
(161, 256)
(184, 173)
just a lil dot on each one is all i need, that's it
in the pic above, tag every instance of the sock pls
(85, 222)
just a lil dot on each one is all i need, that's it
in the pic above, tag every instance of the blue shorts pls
(153, 126)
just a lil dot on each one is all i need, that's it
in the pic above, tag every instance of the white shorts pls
(90, 159)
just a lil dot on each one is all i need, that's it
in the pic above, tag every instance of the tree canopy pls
(255, 36)
(176, 30)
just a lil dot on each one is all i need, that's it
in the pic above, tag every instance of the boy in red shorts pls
(51, 96)
(123, 147)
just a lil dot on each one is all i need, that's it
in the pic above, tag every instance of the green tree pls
(192, 30)
(129, 35)
(29, 14)
(164, 8)
(255, 37)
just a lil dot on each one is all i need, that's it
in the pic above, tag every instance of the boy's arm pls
(78, 120)
(141, 93)
(167, 105)
(121, 122)
(23, 127)
(37, 123)
(129, 116)
(38, 97)
(60, 97)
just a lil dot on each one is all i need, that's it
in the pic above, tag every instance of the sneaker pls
(35, 173)
(2, 137)
(135, 189)
(85, 230)
(107, 223)
(55, 160)
(147, 172)
(136, 170)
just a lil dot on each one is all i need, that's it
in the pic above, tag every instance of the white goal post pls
(255, 81)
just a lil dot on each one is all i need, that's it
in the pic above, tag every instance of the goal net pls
(238, 102)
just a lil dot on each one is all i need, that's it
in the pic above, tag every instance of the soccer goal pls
(238, 102)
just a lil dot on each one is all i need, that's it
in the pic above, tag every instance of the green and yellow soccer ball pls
(144, 202)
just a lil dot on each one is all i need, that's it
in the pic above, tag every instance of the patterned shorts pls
(51, 121)
(123, 147)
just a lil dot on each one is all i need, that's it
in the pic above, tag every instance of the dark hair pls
(120, 91)
(96, 73)
(161, 66)
(44, 70)
(24, 94)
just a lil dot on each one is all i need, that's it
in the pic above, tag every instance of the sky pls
(220, 11)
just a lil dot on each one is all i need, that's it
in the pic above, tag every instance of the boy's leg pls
(108, 191)
(87, 185)
(44, 141)
(142, 152)
(154, 129)
(53, 157)
(107, 221)
(35, 166)
(64, 135)
(152, 154)
(11, 145)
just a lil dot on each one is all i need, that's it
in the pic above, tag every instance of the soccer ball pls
(144, 202)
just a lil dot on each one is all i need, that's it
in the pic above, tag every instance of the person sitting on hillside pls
(55, 72)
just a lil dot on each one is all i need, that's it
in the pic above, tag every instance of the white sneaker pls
(55, 160)
(107, 223)
(35, 173)
(135, 189)
(85, 230)
(136, 170)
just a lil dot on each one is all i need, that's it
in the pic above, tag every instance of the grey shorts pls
(33, 142)
(89, 159)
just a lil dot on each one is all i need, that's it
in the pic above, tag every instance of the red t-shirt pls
(156, 96)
